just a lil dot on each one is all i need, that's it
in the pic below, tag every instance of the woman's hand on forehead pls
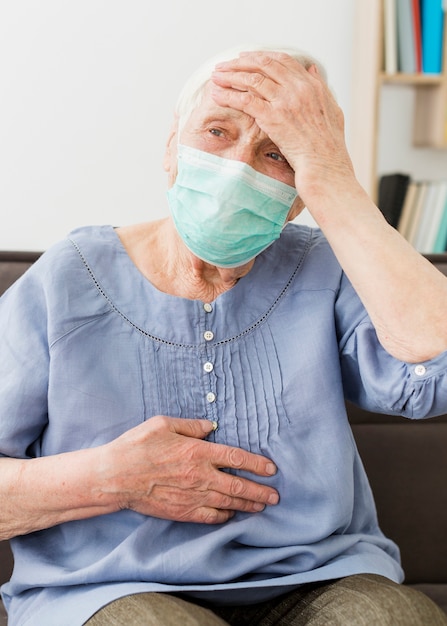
(293, 106)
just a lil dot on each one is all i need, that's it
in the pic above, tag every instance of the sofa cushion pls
(406, 465)
(14, 264)
(437, 593)
(3, 616)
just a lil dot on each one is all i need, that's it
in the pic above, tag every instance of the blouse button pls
(420, 370)
(211, 397)
(208, 367)
(207, 307)
(208, 335)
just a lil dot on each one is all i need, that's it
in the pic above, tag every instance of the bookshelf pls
(369, 80)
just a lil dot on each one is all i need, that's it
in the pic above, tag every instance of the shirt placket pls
(208, 364)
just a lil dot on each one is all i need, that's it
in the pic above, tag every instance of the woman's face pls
(233, 135)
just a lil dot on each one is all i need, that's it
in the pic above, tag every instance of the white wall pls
(396, 152)
(87, 92)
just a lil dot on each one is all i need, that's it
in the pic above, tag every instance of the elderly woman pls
(172, 394)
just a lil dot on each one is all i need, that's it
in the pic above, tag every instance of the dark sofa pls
(406, 462)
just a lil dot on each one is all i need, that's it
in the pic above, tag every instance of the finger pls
(221, 501)
(253, 83)
(236, 458)
(257, 71)
(215, 500)
(248, 103)
(198, 428)
(256, 83)
(208, 515)
(185, 507)
(238, 488)
(275, 65)
(204, 478)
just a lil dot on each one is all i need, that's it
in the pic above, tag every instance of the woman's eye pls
(216, 131)
(276, 156)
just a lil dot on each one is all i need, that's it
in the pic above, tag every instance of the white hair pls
(191, 94)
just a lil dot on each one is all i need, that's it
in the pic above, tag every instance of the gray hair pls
(191, 94)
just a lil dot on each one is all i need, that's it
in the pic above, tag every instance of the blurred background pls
(87, 90)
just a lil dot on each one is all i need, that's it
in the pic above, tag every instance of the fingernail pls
(270, 468)
(208, 426)
(273, 498)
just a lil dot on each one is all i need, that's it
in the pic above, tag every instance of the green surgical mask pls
(225, 211)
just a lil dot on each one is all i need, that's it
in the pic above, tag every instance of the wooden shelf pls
(411, 79)
(430, 115)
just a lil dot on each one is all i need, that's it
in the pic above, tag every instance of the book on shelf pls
(427, 217)
(417, 213)
(417, 30)
(406, 216)
(434, 222)
(406, 44)
(440, 244)
(390, 36)
(392, 190)
(413, 35)
(432, 20)
(422, 216)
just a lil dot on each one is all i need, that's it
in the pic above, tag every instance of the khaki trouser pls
(362, 600)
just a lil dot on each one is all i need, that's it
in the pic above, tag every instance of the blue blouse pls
(89, 348)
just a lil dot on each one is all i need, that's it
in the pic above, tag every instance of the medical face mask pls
(225, 211)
